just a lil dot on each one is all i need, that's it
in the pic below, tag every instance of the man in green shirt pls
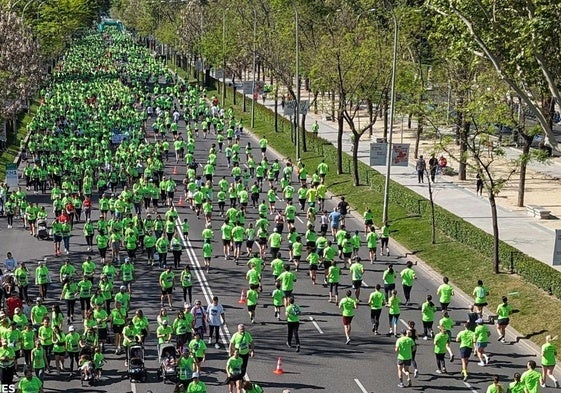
(466, 338)
(30, 383)
(242, 340)
(376, 301)
(287, 280)
(440, 348)
(531, 378)
(348, 305)
(357, 271)
(404, 347)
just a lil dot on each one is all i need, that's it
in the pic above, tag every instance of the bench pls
(326, 117)
(538, 211)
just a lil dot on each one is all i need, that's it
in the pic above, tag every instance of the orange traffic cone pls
(242, 297)
(181, 202)
(175, 170)
(279, 369)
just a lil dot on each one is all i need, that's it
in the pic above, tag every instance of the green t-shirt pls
(516, 387)
(277, 296)
(548, 354)
(242, 341)
(480, 294)
(376, 300)
(293, 313)
(504, 311)
(407, 277)
(287, 279)
(357, 270)
(38, 356)
(32, 385)
(494, 389)
(253, 276)
(348, 304)
(404, 346)
(531, 381)
(333, 274)
(440, 342)
(252, 297)
(427, 311)
(234, 365)
(197, 347)
(166, 279)
(465, 338)
(445, 291)
(481, 334)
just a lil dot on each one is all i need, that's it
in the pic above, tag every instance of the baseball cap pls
(479, 321)
(70, 328)
(195, 375)
(164, 322)
(123, 288)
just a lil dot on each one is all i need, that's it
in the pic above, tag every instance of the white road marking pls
(133, 387)
(361, 387)
(470, 387)
(316, 325)
(299, 219)
(404, 323)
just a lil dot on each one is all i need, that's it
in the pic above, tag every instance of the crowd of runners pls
(103, 145)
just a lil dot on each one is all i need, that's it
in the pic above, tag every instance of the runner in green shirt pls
(466, 338)
(404, 347)
(348, 305)
(495, 387)
(30, 383)
(333, 277)
(427, 310)
(357, 271)
(503, 313)
(531, 378)
(440, 348)
(376, 301)
(292, 314)
(481, 334)
(549, 353)
(445, 291)
(407, 278)
(287, 280)
(166, 282)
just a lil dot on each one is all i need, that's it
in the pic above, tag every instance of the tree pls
(524, 59)
(21, 67)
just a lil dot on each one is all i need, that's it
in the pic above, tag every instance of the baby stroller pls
(42, 230)
(168, 362)
(137, 370)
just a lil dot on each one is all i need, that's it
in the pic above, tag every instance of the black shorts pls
(465, 352)
(252, 307)
(170, 194)
(287, 293)
(503, 321)
(102, 333)
(57, 238)
(249, 243)
(404, 362)
(357, 284)
(347, 254)
(167, 291)
(226, 242)
(314, 267)
(262, 241)
(368, 222)
(118, 329)
(32, 221)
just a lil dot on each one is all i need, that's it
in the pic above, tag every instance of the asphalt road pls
(325, 363)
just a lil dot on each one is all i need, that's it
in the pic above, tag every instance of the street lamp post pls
(392, 111)
(253, 69)
(223, 57)
(297, 108)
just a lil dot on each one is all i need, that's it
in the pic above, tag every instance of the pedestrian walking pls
(242, 340)
(433, 166)
(215, 319)
(348, 305)
(420, 167)
(480, 293)
(292, 314)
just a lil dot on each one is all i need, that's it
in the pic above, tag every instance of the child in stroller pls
(86, 367)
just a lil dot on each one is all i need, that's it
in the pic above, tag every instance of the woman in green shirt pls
(393, 312)
(293, 322)
(234, 371)
(389, 280)
(549, 353)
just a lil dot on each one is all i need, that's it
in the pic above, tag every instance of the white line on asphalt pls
(364, 284)
(470, 387)
(316, 325)
(133, 387)
(404, 323)
(361, 387)
(299, 219)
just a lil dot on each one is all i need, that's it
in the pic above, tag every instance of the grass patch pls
(462, 264)
(13, 142)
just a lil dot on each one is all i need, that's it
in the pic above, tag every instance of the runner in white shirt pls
(215, 319)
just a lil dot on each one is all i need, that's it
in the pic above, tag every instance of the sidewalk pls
(516, 228)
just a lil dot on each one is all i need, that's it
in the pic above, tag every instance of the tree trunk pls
(418, 135)
(464, 132)
(356, 177)
(340, 121)
(523, 167)
(276, 107)
(370, 116)
(433, 218)
(494, 217)
(409, 119)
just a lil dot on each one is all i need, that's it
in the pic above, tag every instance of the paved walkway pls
(516, 228)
